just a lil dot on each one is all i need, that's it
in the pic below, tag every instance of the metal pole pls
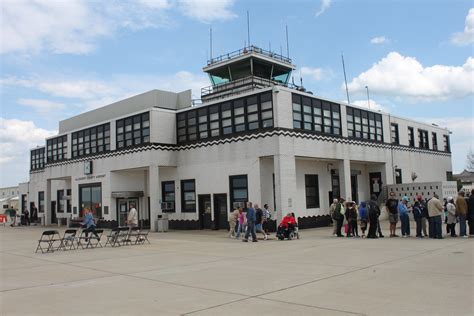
(287, 44)
(345, 78)
(368, 97)
(248, 28)
(210, 40)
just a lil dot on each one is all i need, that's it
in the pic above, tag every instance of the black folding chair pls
(142, 236)
(91, 241)
(123, 237)
(113, 238)
(69, 240)
(48, 237)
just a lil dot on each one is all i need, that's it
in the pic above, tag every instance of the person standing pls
(251, 219)
(470, 209)
(435, 210)
(364, 217)
(424, 215)
(418, 216)
(392, 208)
(34, 214)
(461, 209)
(267, 216)
(451, 218)
(332, 209)
(339, 217)
(241, 227)
(351, 217)
(234, 216)
(374, 213)
(404, 219)
(132, 219)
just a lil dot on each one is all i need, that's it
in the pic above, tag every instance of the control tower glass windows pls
(316, 115)
(133, 130)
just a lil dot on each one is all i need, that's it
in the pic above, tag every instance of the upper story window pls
(240, 115)
(56, 148)
(434, 140)
(447, 146)
(423, 139)
(316, 115)
(411, 137)
(37, 159)
(91, 140)
(133, 130)
(394, 133)
(364, 124)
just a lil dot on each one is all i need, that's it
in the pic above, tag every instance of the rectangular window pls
(92, 140)
(188, 196)
(252, 113)
(90, 196)
(130, 131)
(311, 190)
(297, 115)
(423, 139)
(238, 186)
(364, 124)
(56, 149)
(266, 110)
(37, 158)
(394, 133)
(398, 176)
(41, 202)
(60, 201)
(315, 115)
(434, 140)
(446, 145)
(411, 137)
(168, 196)
(68, 201)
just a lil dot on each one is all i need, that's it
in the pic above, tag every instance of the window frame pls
(164, 194)
(184, 208)
(314, 185)
(56, 149)
(411, 136)
(127, 137)
(446, 143)
(434, 140)
(394, 135)
(94, 144)
(311, 115)
(233, 187)
(37, 158)
(362, 124)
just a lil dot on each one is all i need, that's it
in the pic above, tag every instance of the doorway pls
(220, 211)
(204, 204)
(123, 205)
(354, 189)
(54, 219)
(375, 179)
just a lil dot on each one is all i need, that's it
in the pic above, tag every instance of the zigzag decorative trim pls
(246, 137)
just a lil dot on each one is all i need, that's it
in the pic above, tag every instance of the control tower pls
(244, 70)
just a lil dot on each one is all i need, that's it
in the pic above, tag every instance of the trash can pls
(162, 223)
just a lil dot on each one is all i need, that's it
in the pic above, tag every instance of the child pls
(364, 217)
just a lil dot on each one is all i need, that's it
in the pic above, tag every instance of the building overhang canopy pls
(127, 194)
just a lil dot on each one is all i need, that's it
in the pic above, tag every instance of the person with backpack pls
(418, 216)
(364, 217)
(338, 216)
(374, 213)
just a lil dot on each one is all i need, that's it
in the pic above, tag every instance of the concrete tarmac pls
(206, 273)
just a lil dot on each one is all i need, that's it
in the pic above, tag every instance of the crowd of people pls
(250, 221)
(427, 214)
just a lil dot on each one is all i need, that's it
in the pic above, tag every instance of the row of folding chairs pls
(51, 240)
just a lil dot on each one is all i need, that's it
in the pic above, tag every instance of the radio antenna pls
(248, 27)
(345, 78)
(287, 44)
(210, 41)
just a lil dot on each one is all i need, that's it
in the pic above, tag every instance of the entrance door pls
(375, 179)
(204, 204)
(123, 205)
(54, 219)
(220, 211)
(354, 189)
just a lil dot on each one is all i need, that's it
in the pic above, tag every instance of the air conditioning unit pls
(166, 206)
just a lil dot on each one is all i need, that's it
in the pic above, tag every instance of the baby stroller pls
(290, 232)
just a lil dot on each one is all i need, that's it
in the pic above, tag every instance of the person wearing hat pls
(404, 219)
(461, 208)
(451, 220)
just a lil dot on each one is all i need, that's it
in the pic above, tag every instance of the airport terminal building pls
(254, 137)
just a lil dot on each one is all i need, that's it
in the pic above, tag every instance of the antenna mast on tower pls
(248, 28)
(345, 78)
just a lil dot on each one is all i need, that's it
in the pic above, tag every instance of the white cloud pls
(156, 4)
(16, 139)
(207, 11)
(462, 142)
(373, 105)
(313, 73)
(397, 75)
(379, 40)
(41, 105)
(325, 4)
(467, 36)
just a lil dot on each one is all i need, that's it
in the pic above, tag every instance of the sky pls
(62, 58)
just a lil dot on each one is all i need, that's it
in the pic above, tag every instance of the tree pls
(470, 161)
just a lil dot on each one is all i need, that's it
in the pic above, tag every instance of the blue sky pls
(61, 58)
